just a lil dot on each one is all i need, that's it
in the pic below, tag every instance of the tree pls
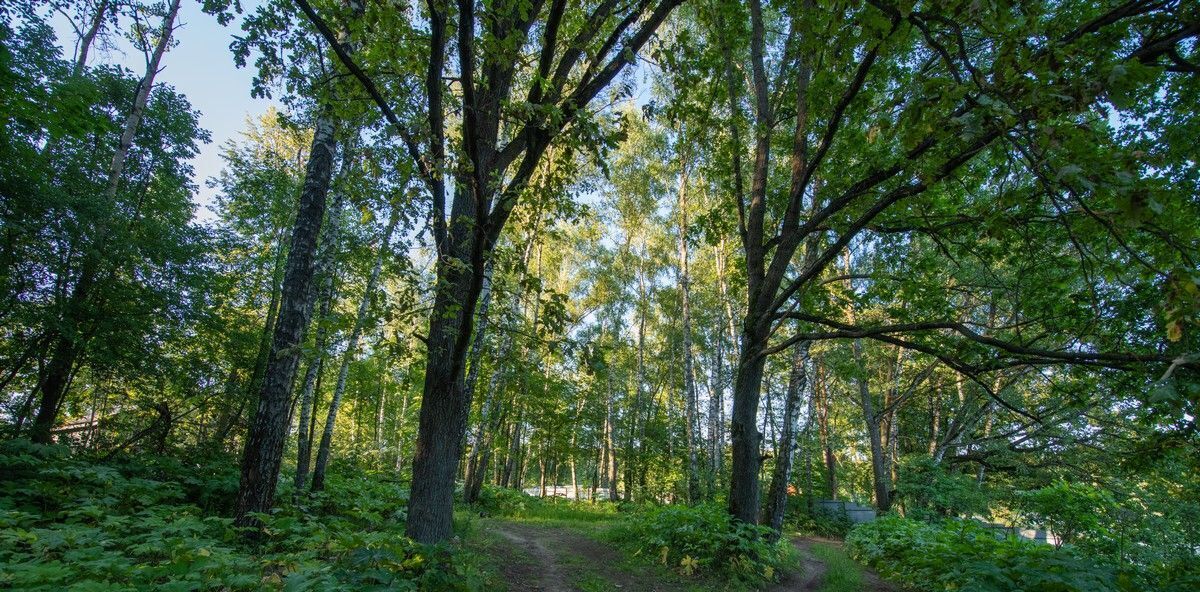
(877, 94)
(490, 180)
(76, 315)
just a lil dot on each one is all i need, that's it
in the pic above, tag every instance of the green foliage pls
(66, 523)
(500, 501)
(842, 574)
(1069, 510)
(817, 522)
(928, 490)
(964, 555)
(704, 538)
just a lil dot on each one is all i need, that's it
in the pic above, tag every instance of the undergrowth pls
(67, 523)
(510, 503)
(705, 540)
(963, 555)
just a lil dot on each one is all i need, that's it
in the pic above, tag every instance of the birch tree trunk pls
(782, 473)
(364, 305)
(689, 382)
(325, 296)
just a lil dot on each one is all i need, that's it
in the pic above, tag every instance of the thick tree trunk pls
(781, 475)
(445, 402)
(268, 430)
(747, 460)
(364, 305)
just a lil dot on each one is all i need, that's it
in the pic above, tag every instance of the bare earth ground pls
(539, 558)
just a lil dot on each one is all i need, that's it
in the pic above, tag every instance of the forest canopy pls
(714, 264)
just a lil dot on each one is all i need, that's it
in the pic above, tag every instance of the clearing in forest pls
(552, 557)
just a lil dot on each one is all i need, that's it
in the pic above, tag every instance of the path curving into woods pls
(543, 558)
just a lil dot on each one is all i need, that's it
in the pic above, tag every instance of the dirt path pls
(553, 559)
(811, 576)
(535, 558)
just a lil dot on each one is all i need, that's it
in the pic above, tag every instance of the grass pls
(591, 582)
(842, 573)
(559, 510)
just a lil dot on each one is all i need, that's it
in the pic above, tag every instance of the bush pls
(705, 538)
(962, 555)
(1072, 511)
(145, 523)
(928, 491)
(821, 523)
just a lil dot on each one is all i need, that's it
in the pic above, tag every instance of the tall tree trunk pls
(747, 458)
(879, 471)
(637, 428)
(689, 382)
(445, 403)
(139, 102)
(782, 473)
(474, 472)
(325, 296)
(364, 305)
(402, 435)
(264, 444)
(935, 416)
(826, 435)
(268, 333)
(724, 366)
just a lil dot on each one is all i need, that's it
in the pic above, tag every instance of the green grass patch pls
(842, 574)
(592, 582)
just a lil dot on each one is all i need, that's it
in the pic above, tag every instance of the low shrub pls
(821, 524)
(704, 539)
(929, 491)
(145, 523)
(962, 555)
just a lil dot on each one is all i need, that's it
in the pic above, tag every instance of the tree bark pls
(747, 460)
(139, 102)
(89, 37)
(689, 382)
(264, 444)
(879, 472)
(473, 480)
(781, 475)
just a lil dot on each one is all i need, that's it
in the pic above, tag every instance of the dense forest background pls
(935, 259)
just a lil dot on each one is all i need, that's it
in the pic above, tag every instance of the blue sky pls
(201, 67)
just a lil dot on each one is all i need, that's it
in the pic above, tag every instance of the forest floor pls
(560, 556)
